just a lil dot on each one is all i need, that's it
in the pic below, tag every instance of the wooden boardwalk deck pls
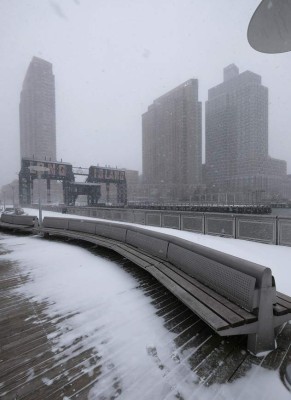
(31, 369)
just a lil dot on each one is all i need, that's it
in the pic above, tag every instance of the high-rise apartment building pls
(37, 112)
(172, 143)
(236, 134)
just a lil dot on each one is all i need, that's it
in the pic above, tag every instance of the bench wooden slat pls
(215, 306)
(284, 297)
(284, 303)
(280, 310)
(128, 249)
(134, 257)
(196, 306)
(246, 315)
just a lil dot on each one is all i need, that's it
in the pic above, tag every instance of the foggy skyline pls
(111, 59)
(37, 114)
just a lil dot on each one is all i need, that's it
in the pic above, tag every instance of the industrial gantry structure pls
(65, 172)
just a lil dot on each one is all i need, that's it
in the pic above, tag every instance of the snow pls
(118, 324)
(275, 257)
(109, 313)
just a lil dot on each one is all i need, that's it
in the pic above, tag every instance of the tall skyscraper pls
(37, 112)
(236, 134)
(172, 144)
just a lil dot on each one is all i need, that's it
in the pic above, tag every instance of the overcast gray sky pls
(112, 58)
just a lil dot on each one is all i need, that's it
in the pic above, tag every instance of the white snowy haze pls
(112, 58)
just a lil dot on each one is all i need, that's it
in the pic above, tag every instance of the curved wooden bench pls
(233, 296)
(21, 222)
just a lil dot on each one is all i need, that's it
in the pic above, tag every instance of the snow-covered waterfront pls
(136, 353)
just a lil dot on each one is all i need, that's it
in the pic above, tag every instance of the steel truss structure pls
(64, 172)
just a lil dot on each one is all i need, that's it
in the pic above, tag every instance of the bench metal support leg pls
(259, 343)
(264, 338)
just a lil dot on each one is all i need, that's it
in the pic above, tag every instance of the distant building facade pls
(236, 132)
(172, 144)
(133, 184)
(37, 112)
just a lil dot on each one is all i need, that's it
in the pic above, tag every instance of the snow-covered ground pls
(278, 258)
(114, 317)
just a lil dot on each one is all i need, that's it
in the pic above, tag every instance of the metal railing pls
(260, 228)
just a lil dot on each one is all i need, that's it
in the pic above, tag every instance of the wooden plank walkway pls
(30, 369)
